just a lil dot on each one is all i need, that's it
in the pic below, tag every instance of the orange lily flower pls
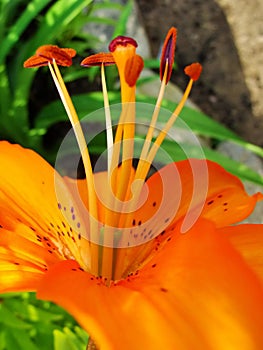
(141, 262)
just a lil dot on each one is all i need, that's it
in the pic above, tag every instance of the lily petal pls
(248, 240)
(196, 293)
(21, 268)
(36, 206)
(200, 188)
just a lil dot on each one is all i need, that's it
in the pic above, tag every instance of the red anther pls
(193, 70)
(168, 53)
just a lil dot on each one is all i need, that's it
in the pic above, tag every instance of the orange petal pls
(22, 263)
(187, 189)
(197, 293)
(78, 189)
(22, 278)
(36, 205)
(194, 188)
(248, 240)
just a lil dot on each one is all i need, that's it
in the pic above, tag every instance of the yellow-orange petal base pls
(196, 293)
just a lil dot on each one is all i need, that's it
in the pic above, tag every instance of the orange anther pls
(193, 71)
(98, 59)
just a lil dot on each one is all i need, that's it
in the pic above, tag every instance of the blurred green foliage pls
(199, 123)
(24, 26)
(30, 324)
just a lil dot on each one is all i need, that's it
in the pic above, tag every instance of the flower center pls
(113, 198)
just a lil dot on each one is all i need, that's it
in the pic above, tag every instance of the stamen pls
(107, 118)
(63, 57)
(168, 54)
(92, 199)
(98, 59)
(107, 250)
(149, 135)
(106, 260)
(47, 53)
(145, 162)
(137, 185)
(192, 70)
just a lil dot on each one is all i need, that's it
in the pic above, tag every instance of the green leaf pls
(15, 90)
(33, 8)
(195, 121)
(84, 103)
(59, 16)
(20, 340)
(35, 321)
(120, 28)
(9, 319)
(203, 125)
(68, 340)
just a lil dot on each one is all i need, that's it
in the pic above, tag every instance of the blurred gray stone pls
(105, 32)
